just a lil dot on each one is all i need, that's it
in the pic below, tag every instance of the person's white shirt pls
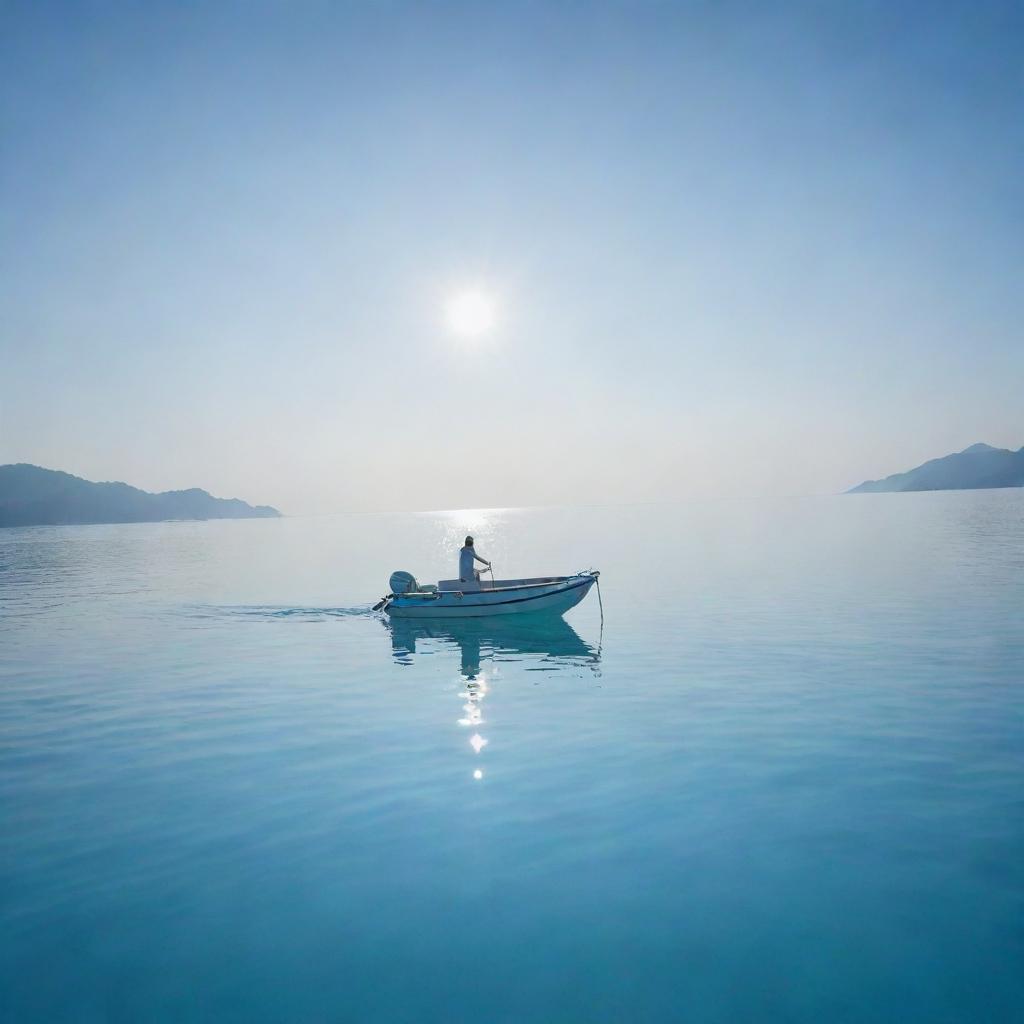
(466, 556)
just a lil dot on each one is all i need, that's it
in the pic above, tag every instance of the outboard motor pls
(403, 583)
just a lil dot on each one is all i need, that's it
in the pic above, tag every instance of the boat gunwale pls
(540, 581)
(582, 581)
(563, 582)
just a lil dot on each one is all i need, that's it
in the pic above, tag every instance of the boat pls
(474, 598)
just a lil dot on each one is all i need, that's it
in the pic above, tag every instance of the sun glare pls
(470, 313)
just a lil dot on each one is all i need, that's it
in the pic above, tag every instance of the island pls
(976, 467)
(33, 496)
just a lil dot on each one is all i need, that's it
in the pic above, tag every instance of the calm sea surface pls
(785, 781)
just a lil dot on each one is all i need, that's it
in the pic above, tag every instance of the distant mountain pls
(981, 465)
(33, 496)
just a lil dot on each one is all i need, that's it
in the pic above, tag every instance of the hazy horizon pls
(728, 251)
(622, 502)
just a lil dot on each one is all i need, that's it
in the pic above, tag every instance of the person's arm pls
(479, 559)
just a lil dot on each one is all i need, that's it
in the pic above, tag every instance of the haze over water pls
(782, 782)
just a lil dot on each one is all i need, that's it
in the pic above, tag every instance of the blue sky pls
(735, 249)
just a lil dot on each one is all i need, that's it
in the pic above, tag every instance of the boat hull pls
(551, 598)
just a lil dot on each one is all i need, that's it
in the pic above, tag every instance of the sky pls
(730, 249)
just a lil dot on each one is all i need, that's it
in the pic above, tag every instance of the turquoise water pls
(784, 782)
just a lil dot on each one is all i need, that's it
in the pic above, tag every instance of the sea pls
(773, 771)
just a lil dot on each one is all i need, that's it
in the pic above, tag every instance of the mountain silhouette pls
(979, 466)
(33, 496)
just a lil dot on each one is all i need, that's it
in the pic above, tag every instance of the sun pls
(470, 313)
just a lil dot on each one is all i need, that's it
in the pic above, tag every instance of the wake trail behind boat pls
(278, 612)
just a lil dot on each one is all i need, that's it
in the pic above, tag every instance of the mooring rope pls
(597, 580)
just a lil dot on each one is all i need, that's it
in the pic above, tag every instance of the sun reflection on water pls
(539, 643)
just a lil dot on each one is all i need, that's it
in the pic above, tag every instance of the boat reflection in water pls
(543, 643)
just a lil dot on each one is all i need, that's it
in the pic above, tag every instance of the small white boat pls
(459, 599)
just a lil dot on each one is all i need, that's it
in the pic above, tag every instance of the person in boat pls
(466, 557)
